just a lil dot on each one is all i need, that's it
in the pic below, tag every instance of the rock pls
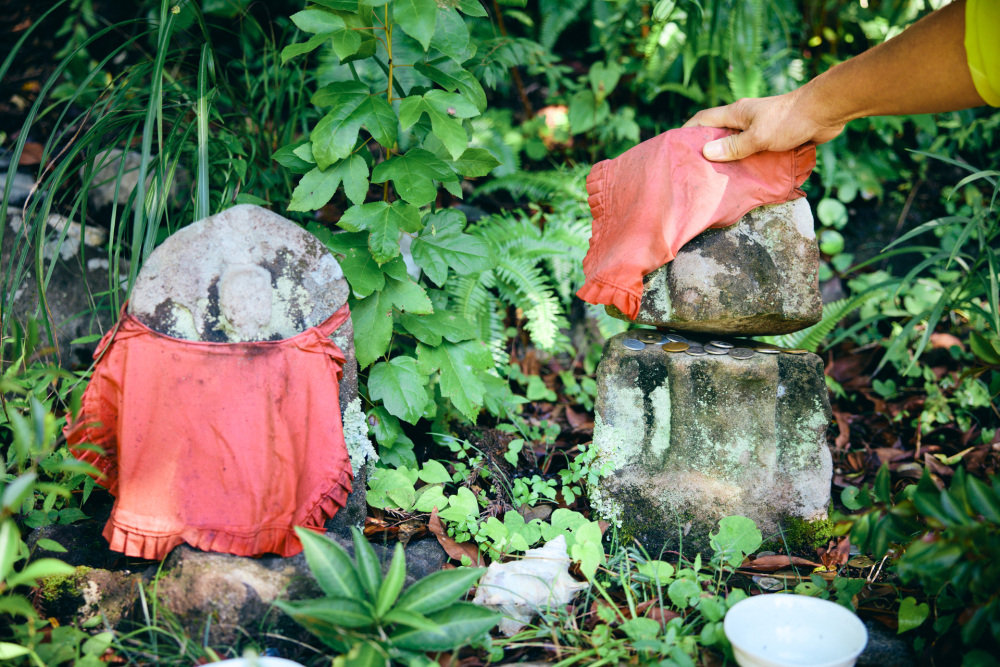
(88, 593)
(20, 188)
(690, 440)
(76, 295)
(248, 274)
(885, 648)
(759, 276)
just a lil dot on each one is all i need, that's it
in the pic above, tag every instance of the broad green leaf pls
(443, 244)
(51, 545)
(318, 186)
(434, 472)
(440, 589)
(293, 50)
(471, 8)
(365, 654)
(658, 571)
(476, 162)
(429, 497)
(587, 548)
(15, 492)
(604, 78)
(682, 592)
(392, 584)
(383, 222)
(461, 507)
(738, 536)
(335, 136)
(317, 21)
(97, 644)
(39, 569)
(641, 628)
(362, 271)
(340, 5)
(454, 78)
(287, 158)
(372, 318)
(410, 619)
(444, 109)
(390, 487)
(386, 427)
(345, 42)
(983, 498)
(585, 112)
(369, 568)
(16, 605)
(10, 546)
(456, 625)
(430, 329)
(407, 296)
(456, 362)
(330, 565)
(911, 614)
(417, 19)
(9, 651)
(400, 387)
(328, 616)
(451, 35)
(413, 175)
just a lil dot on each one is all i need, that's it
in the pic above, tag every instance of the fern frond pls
(558, 14)
(532, 185)
(544, 313)
(812, 337)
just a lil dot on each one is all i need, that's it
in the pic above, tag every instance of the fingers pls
(734, 147)
(727, 116)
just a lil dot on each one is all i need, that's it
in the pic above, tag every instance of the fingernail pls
(714, 151)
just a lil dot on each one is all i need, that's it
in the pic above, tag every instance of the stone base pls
(757, 277)
(693, 439)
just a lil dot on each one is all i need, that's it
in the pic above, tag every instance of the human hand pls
(778, 123)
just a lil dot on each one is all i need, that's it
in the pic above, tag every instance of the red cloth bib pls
(224, 446)
(657, 196)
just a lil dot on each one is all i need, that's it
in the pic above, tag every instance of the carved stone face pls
(246, 274)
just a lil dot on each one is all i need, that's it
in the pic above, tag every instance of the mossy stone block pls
(756, 277)
(690, 440)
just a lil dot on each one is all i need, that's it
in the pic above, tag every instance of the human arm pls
(922, 70)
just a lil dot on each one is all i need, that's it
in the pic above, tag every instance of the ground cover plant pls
(438, 149)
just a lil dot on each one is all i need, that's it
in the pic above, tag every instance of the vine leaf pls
(400, 386)
(372, 319)
(457, 363)
(444, 109)
(319, 185)
(442, 244)
(452, 77)
(413, 175)
(383, 222)
(431, 329)
(417, 18)
(476, 162)
(335, 135)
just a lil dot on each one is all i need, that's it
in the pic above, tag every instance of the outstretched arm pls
(922, 70)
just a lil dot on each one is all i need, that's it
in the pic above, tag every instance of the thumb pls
(734, 147)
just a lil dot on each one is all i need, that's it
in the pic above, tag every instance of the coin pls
(675, 347)
(650, 337)
(720, 343)
(796, 351)
(676, 338)
(712, 348)
(741, 353)
(696, 351)
(768, 350)
(633, 344)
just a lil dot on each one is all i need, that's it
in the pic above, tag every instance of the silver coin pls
(721, 343)
(741, 353)
(650, 337)
(767, 350)
(712, 348)
(696, 351)
(633, 344)
(675, 338)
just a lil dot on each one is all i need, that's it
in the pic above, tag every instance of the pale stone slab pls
(757, 277)
(690, 440)
(248, 274)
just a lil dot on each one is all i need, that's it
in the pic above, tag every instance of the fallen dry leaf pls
(772, 563)
(945, 340)
(451, 547)
(661, 616)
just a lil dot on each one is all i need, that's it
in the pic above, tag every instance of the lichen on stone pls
(359, 447)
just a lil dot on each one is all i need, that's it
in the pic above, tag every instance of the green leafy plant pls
(945, 539)
(368, 619)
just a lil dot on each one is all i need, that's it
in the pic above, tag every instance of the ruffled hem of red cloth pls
(279, 540)
(597, 291)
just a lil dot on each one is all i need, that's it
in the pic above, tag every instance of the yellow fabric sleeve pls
(982, 47)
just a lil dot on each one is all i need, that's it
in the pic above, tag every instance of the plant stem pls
(514, 72)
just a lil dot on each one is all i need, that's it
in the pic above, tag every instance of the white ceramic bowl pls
(783, 630)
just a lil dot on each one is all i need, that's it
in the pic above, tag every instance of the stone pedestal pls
(757, 277)
(691, 439)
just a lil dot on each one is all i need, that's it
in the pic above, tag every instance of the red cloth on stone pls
(651, 200)
(224, 446)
